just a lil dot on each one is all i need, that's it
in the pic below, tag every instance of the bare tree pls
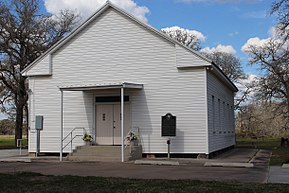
(244, 95)
(190, 38)
(25, 33)
(281, 8)
(229, 64)
(273, 58)
(7, 127)
(262, 119)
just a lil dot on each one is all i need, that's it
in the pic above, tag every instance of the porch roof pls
(101, 86)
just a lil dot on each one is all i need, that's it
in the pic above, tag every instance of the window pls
(219, 115)
(232, 125)
(104, 99)
(224, 118)
(228, 118)
(213, 112)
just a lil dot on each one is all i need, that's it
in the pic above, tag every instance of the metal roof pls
(100, 86)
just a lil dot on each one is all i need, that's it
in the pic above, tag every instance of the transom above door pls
(108, 123)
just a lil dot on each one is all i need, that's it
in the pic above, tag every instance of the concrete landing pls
(227, 164)
(235, 158)
(278, 174)
(157, 162)
(245, 158)
(16, 159)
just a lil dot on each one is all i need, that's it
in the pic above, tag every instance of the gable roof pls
(102, 9)
(99, 12)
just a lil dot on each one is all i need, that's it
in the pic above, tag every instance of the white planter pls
(134, 142)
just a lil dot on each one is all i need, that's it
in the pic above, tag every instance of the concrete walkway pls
(128, 170)
(8, 153)
(233, 158)
(186, 169)
(278, 174)
(13, 155)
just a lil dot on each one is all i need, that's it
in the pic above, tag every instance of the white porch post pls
(121, 126)
(61, 126)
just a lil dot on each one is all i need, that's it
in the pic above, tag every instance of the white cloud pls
(243, 82)
(220, 48)
(173, 30)
(255, 42)
(87, 7)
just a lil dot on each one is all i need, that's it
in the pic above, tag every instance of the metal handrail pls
(126, 138)
(72, 137)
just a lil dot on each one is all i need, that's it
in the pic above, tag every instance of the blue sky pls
(227, 23)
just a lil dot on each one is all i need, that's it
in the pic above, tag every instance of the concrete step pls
(108, 154)
(99, 149)
(96, 158)
(98, 153)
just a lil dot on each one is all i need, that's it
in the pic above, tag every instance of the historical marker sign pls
(169, 125)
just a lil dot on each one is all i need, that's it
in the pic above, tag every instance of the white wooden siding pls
(41, 68)
(185, 58)
(116, 49)
(220, 119)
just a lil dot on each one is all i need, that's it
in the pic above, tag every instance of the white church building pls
(115, 73)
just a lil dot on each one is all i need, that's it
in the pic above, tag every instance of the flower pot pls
(87, 143)
(134, 142)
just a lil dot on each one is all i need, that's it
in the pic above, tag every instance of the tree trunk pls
(19, 122)
(287, 98)
(287, 112)
(27, 120)
(20, 102)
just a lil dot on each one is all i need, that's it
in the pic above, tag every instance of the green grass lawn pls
(280, 155)
(31, 182)
(7, 142)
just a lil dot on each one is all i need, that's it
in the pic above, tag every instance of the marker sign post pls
(38, 127)
(169, 128)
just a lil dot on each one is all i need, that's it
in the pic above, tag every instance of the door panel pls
(104, 124)
(117, 123)
(108, 130)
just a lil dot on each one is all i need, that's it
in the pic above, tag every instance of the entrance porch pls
(111, 116)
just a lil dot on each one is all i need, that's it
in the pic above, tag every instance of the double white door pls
(108, 123)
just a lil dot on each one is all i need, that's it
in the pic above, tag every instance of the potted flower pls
(133, 138)
(87, 138)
